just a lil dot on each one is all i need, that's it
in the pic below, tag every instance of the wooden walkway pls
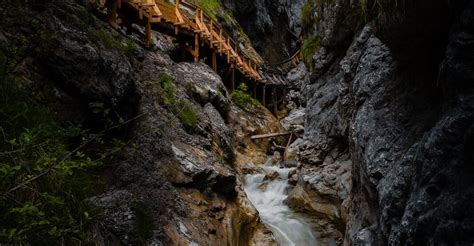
(188, 19)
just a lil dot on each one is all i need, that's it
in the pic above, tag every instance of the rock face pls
(269, 24)
(404, 113)
(175, 181)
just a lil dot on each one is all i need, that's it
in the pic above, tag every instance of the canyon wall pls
(392, 95)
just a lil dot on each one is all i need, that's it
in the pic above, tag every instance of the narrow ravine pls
(268, 197)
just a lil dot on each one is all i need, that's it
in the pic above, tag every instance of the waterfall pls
(288, 227)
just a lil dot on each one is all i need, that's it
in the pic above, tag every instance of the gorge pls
(115, 134)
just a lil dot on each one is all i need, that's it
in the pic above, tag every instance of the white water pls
(288, 227)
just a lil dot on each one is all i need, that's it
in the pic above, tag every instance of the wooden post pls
(264, 95)
(196, 47)
(112, 13)
(149, 37)
(214, 61)
(220, 41)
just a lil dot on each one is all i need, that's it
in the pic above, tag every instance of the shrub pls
(44, 174)
(186, 114)
(168, 90)
(310, 46)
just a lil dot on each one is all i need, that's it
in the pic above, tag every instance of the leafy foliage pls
(310, 46)
(46, 167)
(44, 176)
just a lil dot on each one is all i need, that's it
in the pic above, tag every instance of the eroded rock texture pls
(175, 181)
(271, 25)
(400, 101)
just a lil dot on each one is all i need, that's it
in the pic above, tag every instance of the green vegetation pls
(383, 11)
(214, 9)
(168, 90)
(310, 46)
(45, 173)
(47, 167)
(124, 45)
(180, 108)
(187, 115)
(307, 15)
(100, 35)
(144, 221)
(242, 99)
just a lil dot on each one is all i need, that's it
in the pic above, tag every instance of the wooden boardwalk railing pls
(189, 18)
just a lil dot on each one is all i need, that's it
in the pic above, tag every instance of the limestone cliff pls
(174, 179)
(391, 102)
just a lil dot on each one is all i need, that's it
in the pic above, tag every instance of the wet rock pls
(276, 158)
(365, 101)
(293, 177)
(295, 117)
(266, 23)
(298, 76)
(292, 152)
(271, 176)
(289, 163)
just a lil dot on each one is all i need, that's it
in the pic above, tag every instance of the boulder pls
(273, 175)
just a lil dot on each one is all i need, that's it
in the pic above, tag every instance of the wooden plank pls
(270, 135)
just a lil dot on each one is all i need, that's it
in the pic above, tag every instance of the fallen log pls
(270, 135)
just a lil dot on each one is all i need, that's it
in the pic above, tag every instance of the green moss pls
(182, 109)
(125, 46)
(310, 46)
(211, 7)
(244, 100)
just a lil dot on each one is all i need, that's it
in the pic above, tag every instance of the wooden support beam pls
(214, 61)
(270, 135)
(112, 14)
(149, 37)
(196, 47)
(221, 41)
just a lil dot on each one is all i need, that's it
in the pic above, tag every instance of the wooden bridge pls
(204, 39)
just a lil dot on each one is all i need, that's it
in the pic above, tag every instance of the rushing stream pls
(288, 227)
